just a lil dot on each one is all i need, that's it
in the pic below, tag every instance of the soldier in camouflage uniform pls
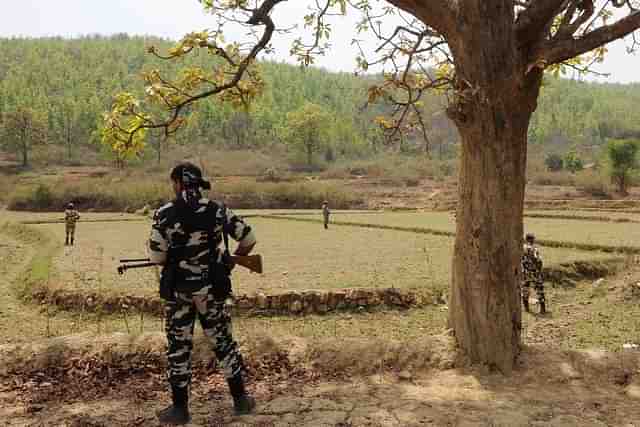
(325, 213)
(532, 273)
(182, 233)
(71, 216)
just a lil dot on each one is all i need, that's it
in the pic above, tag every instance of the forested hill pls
(71, 83)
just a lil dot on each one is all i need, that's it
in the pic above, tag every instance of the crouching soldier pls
(532, 273)
(186, 238)
(71, 216)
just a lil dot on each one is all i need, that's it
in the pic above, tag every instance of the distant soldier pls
(532, 273)
(325, 213)
(71, 216)
(186, 238)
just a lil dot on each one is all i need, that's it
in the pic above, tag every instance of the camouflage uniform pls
(183, 230)
(325, 214)
(71, 216)
(532, 275)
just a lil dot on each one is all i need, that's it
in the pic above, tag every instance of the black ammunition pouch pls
(220, 271)
(220, 280)
(168, 280)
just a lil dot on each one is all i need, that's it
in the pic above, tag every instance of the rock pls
(324, 418)
(283, 405)
(633, 390)
(569, 371)
(510, 419)
(296, 306)
(573, 421)
(254, 420)
(286, 420)
(373, 416)
(261, 300)
(330, 405)
(405, 376)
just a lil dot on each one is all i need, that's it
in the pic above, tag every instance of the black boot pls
(178, 413)
(66, 241)
(72, 241)
(243, 404)
(543, 307)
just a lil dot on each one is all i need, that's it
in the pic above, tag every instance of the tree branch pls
(535, 19)
(555, 52)
(437, 14)
(568, 28)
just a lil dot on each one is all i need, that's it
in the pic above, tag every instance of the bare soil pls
(550, 388)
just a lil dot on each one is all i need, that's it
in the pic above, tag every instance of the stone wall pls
(290, 303)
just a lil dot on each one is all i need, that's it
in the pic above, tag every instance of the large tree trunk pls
(485, 303)
(496, 99)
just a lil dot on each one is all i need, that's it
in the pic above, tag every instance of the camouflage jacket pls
(182, 233)
(325, 211)
(71, 216)
(531, 264)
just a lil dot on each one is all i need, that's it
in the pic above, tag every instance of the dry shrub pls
(117, 351)
(594, 184)
(216, 162)
(552, 178)
(353, 356)
(122, 192)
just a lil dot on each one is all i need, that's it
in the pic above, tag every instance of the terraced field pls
(298, 255)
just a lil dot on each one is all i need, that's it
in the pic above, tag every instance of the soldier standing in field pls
(185, 237)
(71, 216)
(325, 213)
(532, 273)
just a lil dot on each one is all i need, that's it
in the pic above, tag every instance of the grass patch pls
(586, 214)
(39, 268)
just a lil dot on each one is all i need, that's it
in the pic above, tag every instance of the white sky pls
(174, 18)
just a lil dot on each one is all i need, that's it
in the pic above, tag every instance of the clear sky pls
(174, 18)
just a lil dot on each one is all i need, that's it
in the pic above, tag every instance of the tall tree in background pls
(21, 130)
(490, 57)
(69, 115)
(306, 129)
(623, 162)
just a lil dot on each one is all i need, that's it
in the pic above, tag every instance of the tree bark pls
(485, 308)
(495, 103)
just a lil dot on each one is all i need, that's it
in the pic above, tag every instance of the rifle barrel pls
(135, 260)
(125, 267)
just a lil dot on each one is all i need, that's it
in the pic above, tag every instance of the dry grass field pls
(586, 213)
(297, 255)
(556, 229)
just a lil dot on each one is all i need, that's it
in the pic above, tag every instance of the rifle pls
(250, 262)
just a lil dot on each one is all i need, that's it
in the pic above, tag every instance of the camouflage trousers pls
(538, 285)
(180, 317)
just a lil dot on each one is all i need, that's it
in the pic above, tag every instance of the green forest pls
(65, 86)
